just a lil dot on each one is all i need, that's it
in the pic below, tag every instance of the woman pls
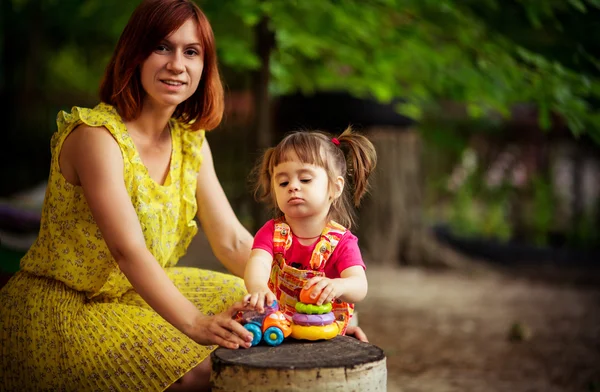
(98, 303)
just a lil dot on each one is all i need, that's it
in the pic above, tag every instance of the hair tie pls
(335, 141)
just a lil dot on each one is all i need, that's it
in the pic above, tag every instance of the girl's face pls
(302, 190)
(172, 72)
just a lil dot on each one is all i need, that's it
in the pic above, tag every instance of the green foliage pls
(423, 50)
(487, 55)
(540, 215)
(585, 233)
(475, 212)
(485, 197)
(71, 75)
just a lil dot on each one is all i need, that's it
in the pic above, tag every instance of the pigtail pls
(262, 177)
(362, 159)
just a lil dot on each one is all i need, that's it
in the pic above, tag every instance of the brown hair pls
(151, 22)
(352, 156)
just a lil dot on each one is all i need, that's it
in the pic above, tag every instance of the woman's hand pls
(221, 329)
(257, 300)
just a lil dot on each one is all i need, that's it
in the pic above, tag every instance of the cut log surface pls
(340, 364)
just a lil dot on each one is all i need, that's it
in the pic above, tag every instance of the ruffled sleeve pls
(102, 115)
(191, 145)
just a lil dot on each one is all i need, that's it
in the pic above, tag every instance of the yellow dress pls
(69, 319)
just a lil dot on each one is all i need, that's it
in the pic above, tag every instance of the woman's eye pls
(161, 48)
(191, 52)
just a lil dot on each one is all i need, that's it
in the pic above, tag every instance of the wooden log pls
(340, 364)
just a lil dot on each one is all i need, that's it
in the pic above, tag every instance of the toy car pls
(271, 326)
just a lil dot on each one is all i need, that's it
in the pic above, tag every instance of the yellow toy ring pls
(314, 332)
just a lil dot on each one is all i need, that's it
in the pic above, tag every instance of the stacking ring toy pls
(313, 309)
(315, 333)
(313, 319)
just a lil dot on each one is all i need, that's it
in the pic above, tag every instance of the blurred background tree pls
(460, 68)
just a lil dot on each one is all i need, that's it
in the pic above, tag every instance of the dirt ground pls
(449, 331)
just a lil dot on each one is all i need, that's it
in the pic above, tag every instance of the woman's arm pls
(90, 157)
(228, 238)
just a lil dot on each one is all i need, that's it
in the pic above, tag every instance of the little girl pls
(305, 178)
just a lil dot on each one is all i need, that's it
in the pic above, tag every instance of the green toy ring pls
(313, 309)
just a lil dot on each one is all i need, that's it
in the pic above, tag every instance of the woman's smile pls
(173, 85)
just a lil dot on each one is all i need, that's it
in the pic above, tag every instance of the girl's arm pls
(228, 238)
(351, 287)
(90, 157)
(256, 278)
(354, 284)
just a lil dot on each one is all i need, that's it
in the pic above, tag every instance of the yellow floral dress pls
(69, 319)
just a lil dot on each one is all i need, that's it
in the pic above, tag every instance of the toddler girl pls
(312, 180)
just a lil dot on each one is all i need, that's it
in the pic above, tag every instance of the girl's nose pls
(293, 187)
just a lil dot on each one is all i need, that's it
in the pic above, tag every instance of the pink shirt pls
(346, 253)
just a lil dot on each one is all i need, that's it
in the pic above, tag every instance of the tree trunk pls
(263, 134)
(391, 228)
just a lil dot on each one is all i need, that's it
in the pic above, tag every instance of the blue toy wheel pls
(273, 336)
(255, 331)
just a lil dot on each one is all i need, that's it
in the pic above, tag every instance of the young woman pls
(98, 303)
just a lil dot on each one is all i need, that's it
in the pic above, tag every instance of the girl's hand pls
(357, 332)
(326, 289)
(258, 299)
(222, 329)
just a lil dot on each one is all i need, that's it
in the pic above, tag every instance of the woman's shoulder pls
(100, 115)
(192, 140)
(88, 121)
(190, 144)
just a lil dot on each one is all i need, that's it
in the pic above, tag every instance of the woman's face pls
(172, 72)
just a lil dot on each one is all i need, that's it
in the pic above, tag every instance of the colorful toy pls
(312, 321)
(271, 326)
(309, 322)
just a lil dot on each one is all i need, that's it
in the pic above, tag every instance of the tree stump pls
(340, 364)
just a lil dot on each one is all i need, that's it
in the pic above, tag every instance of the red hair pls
(151, 22)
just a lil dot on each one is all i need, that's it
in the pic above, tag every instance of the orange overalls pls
(286, 281)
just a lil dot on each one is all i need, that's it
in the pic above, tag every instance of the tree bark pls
(391, 229)
(263, 133)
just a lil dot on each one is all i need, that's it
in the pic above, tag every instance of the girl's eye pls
(305, 180)
(283, 184)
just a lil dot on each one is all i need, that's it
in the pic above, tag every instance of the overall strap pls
(330, 237)
(282, 237)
